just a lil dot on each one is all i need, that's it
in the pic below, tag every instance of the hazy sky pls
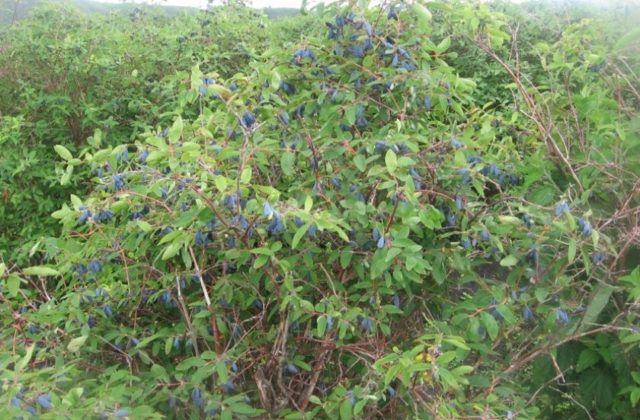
(202, 3)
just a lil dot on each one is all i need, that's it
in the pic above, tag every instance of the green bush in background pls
(421, 210)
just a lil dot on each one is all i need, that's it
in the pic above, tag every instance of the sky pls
(203, 3)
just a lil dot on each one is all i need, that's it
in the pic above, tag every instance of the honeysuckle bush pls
(64, 74)
(342, 229)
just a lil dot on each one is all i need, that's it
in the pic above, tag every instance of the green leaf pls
(350, 114)
(220, 182)
(597, 304)
(631, 338)
(175, 132)
(171, 251)
(299, 234)
(13, 284)
(587, 359)
(490, 324)
(245, 177)
(448, 378)
(41, 271)
(3, 267)
(635, 397)
(144, 226)
(242, 408)
(571, 253)
(322, 325)
(346, 410)
(66, 177)
(421, 12)
(345, 259)
(458, 342)
(630, 38)
(63, 152)
(260, 261)
(189, 363)
(444, 45)
(159, 372)
(360, 162)
(287, 161)
(462, 370)
(308, 203)
(509, 261)
(275, 78)
(25, 360)
(391, 160)
(77, 343)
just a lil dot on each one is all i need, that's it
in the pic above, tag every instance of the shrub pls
(341, 230)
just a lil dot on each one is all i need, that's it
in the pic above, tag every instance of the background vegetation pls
(409, 209)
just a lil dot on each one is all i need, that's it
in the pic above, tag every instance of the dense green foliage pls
(423, 210)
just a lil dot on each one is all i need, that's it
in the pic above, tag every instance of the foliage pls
(350, 222)
(69, 76)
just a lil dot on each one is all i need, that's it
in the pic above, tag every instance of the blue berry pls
(598, 258)
(229, 386)
(121, 412)
(231, 201)
(276, 227)
(117, 182)
(196, 397)
(103, 216)
(107, 310)
(473, 160)
(561, 208)
(201, 239)
(459, 202)
(584, 227)
(292, 369)
(562, 316)
(287, 88)
(284, 117)
(95, 266)
(122, 155)
(247, 120)
(84, 216)
(366, 324)
(257, 304)
(329, 323)
(302, 54)
(267, 210)
(167, 299)
(427, 102)
(44, 401)
(528, 221)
